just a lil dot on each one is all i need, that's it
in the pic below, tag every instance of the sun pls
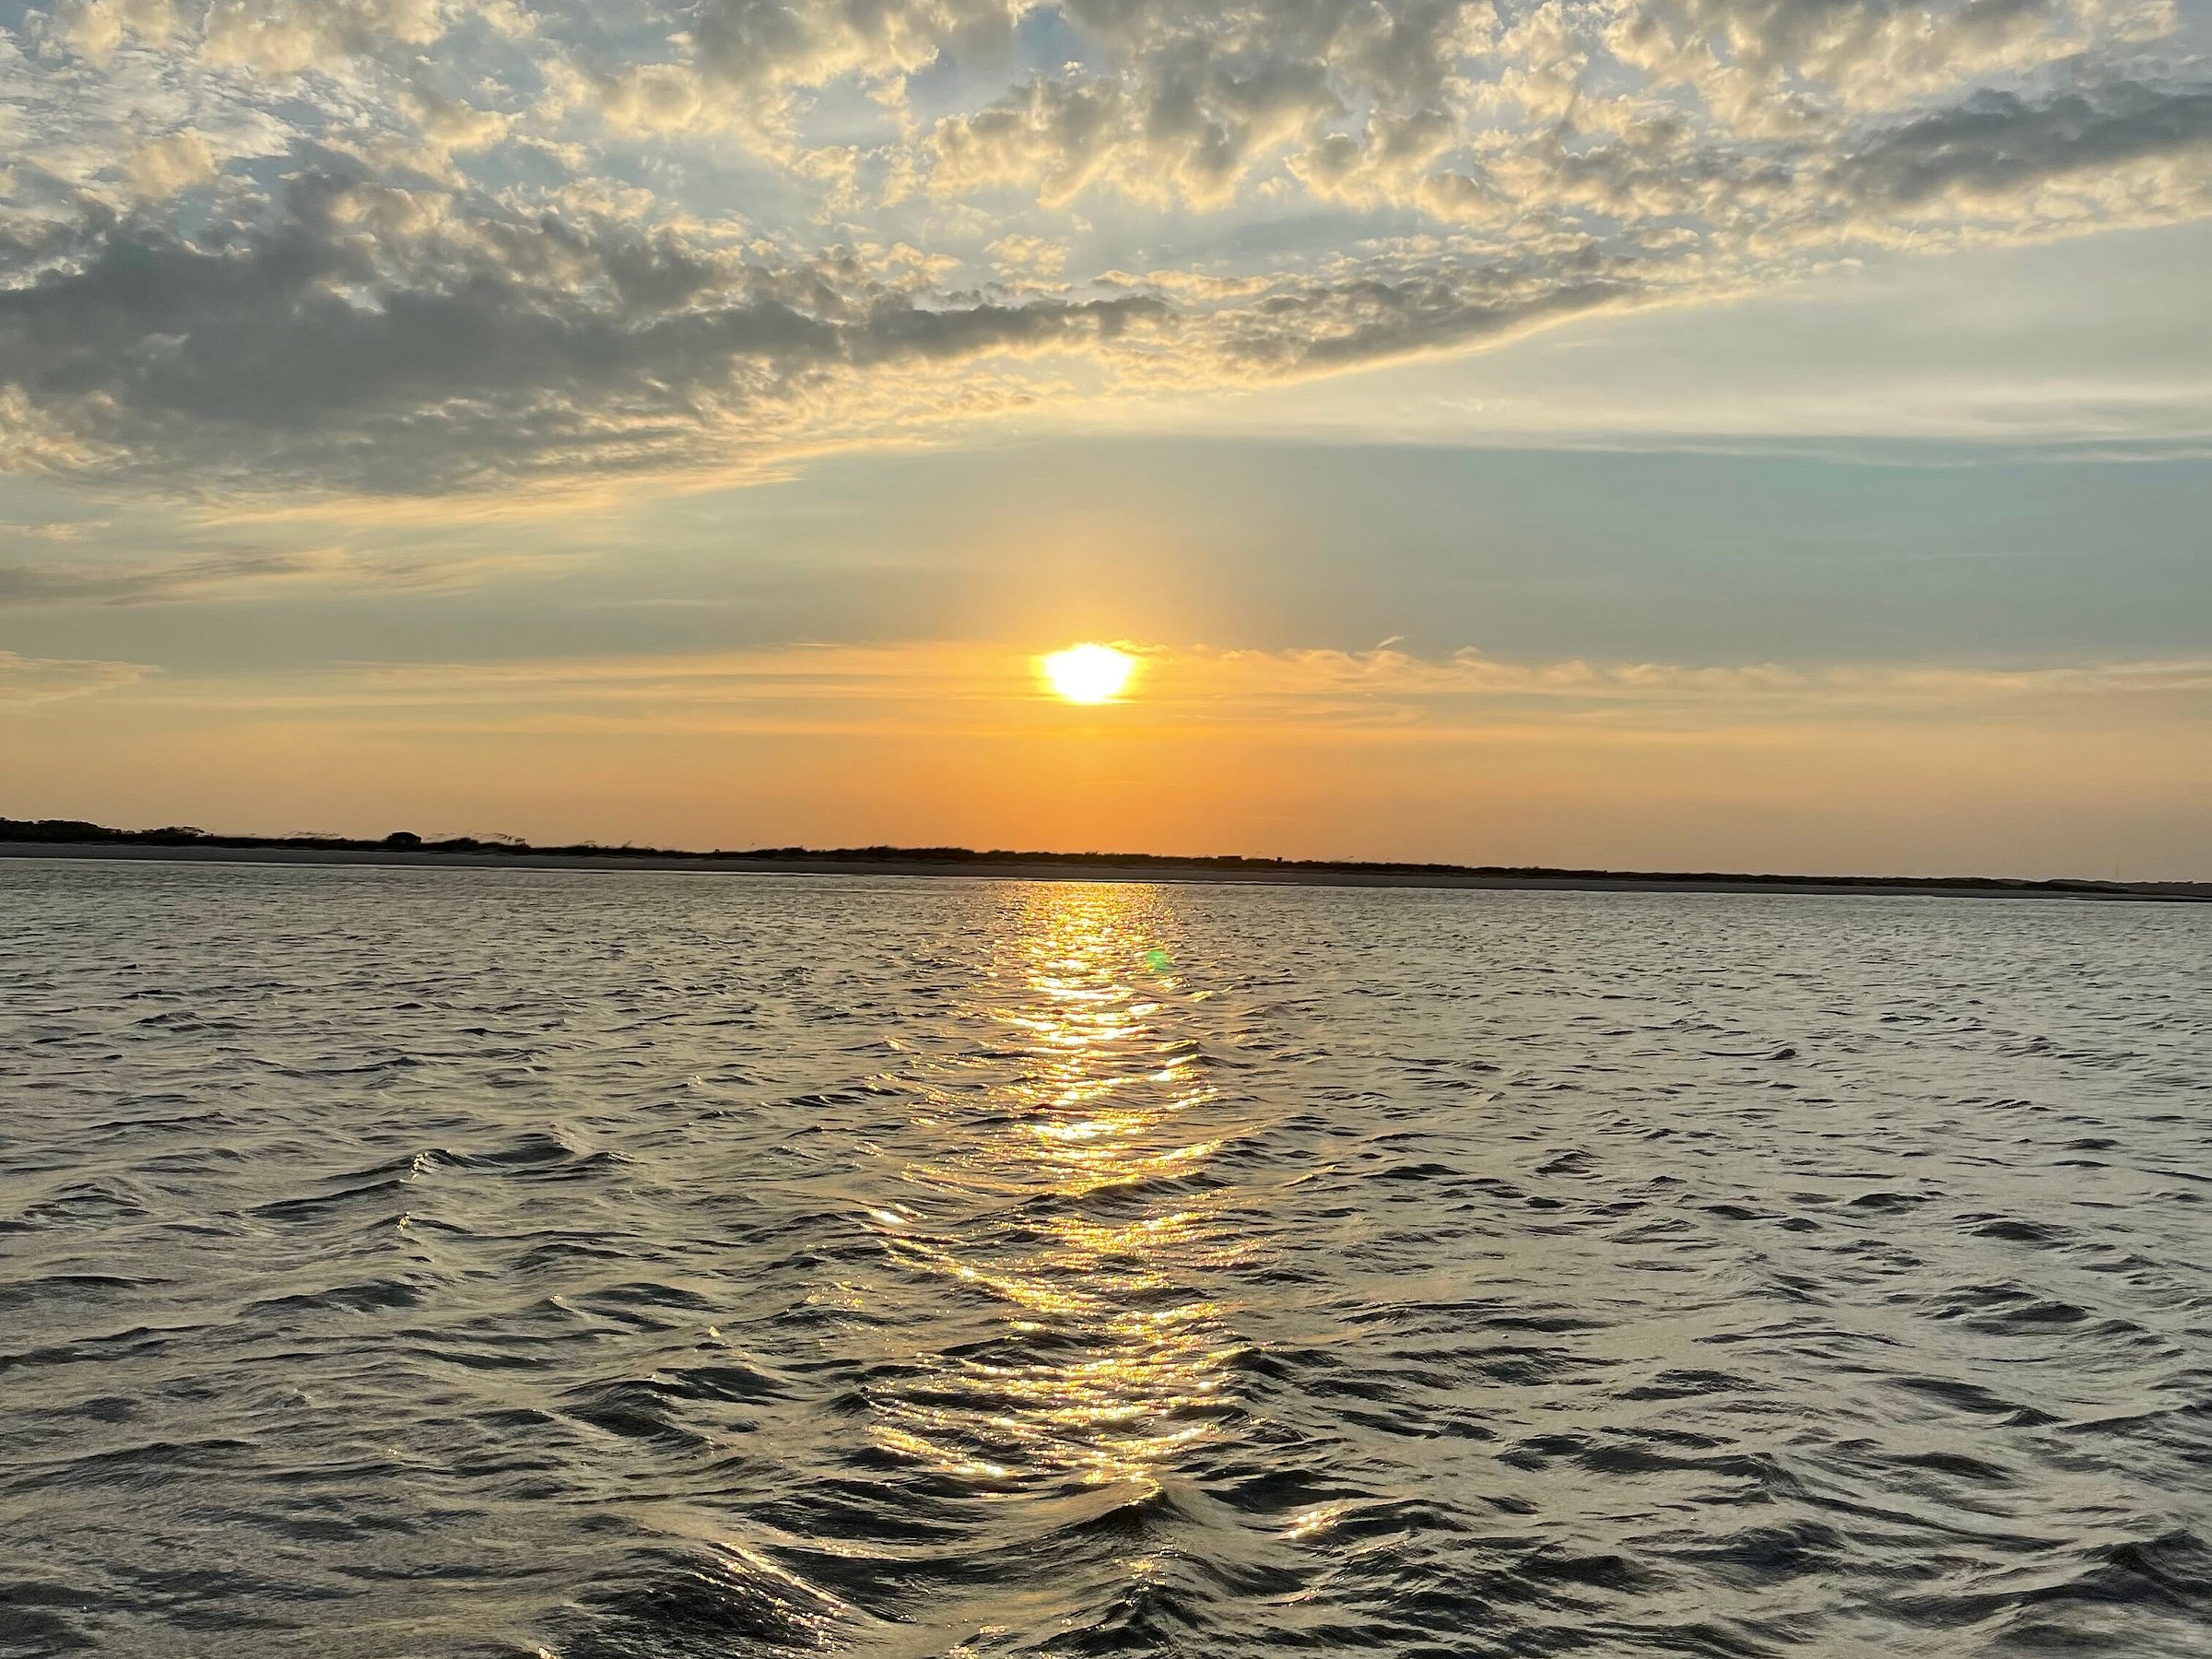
(1087, 673)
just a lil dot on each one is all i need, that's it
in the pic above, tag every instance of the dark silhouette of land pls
(69, 838)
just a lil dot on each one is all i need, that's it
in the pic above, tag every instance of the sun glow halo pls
(1087, 673)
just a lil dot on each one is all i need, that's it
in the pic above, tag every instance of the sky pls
(1685, 434)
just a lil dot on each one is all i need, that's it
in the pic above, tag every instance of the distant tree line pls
(76, 831)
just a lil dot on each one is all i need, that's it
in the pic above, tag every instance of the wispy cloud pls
(1296, 695)
(53, 582)
(236, 575)
(26, 679)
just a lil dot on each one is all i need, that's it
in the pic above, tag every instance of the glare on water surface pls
(1103, 1361)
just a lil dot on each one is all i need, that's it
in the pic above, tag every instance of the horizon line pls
(82, 832)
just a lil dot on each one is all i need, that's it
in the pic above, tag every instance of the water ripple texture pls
(404, 1263)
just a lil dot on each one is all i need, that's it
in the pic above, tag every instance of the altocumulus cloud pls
(418, 245)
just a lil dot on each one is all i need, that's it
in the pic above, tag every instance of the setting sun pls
(1088, 673)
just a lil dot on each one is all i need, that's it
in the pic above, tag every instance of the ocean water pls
(633, 1267)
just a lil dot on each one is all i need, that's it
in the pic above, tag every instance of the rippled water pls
(423, 1263)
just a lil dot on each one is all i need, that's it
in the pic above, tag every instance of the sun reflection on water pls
(1065, 1193)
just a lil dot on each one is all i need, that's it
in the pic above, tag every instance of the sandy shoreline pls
(984, 871)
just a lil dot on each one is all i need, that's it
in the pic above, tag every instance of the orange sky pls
(1302, 754)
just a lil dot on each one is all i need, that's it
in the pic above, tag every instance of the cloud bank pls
(412, 246)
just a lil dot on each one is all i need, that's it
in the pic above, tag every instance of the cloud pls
(25, 680)
(55, 583)
(372, 334)
(96, 29)
(240, 574)
(166, 165)
(1999, 147)
(1028, 258)
(285, 37)
(410, 246)
(1191, 137)
(1395, 685)
(1192, 693)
